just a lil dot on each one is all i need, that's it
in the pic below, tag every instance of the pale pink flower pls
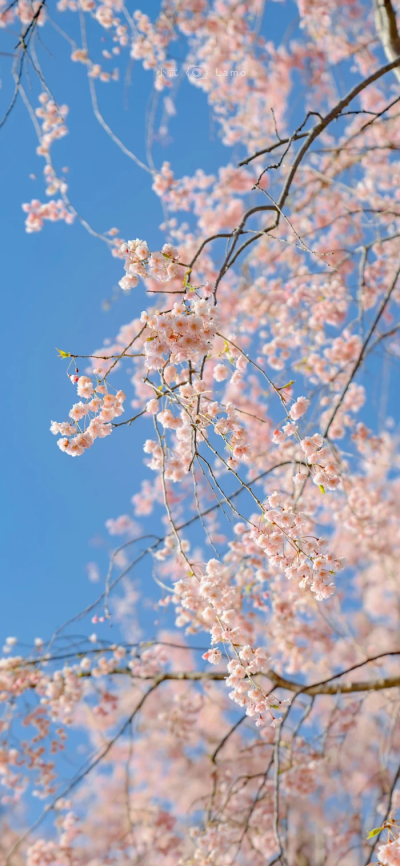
(213, 656)
(169, 420)
(220, 373)
(84, 440)
(95, 404)
(389, 854)
(142, 250)
(78, 411)
(71, 447)
(128, 282)
(274, 499)
(278, 437)
(199, 386)
(63, 444)
(289, 429)
(97, 429)
(85, 387)
(171, 251)
(299, 408)
(152, 406)
(149, 446)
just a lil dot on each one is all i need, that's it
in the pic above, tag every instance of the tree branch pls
(386, 26)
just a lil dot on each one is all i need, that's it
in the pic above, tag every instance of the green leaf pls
(322, 488)
(186, 278)
(63, 354)
(374, 832)
(288, 384)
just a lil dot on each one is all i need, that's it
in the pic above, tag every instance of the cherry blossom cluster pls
(325, 470)
(389, 853)
(211, 47)
(185, 333)
(61, 693)
(247, 692)
(53, 122)
(213, 199)
(139, 262)
(23, 10)
(181, 716)
(221, 420)
(150, 662)
(96, 71)
(15, 677)
(321, 459)
(44, 853)
(53, 182)
(151, 41)
(227, 623)
(96, 410)
(344, 421)
(281, 535)
(38, 213)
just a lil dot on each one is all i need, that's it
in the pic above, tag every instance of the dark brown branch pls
(326, 687)
(272, 147)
